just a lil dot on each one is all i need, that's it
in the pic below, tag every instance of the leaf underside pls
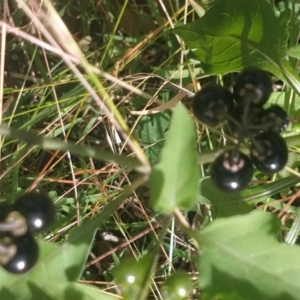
(241, 258)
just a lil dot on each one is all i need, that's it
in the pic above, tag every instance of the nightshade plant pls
(232, 170)
(241, 245)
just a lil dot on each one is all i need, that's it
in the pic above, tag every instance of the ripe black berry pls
(269, 152)
(38, 210)
(212, 104)
(232, 171)
(252, 86)
(274, 119)
(22, 253)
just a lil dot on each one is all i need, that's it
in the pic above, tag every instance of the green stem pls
(80, 149)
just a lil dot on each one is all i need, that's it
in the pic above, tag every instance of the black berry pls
(274, 119)
(232, 171)
(252, 86)
(212, 104)
(22, 253)
(269, 152)
(38, 210)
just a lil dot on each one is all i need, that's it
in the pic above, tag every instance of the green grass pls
(88, 91)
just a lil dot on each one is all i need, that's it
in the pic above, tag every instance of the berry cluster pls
(31, 213)
(248, 121)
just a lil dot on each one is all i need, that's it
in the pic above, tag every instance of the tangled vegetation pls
(97, 113)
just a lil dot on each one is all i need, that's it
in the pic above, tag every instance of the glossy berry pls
(269, 152)
(25, 254)
(38, 210)
(253, 86)
(212, 104)
(274, 119)
(231, 171)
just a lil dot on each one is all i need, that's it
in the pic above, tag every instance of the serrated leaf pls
(243, 36)
(242, 259)
(174, 180)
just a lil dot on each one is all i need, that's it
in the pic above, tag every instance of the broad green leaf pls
(152, 133)
(76, 291)
(174, 180)
(294, 51)
(70, 257)
(241, 258)
(223, 204)
(242, 36)
(59, 290)
(279, 98)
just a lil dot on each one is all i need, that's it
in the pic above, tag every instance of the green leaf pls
(152, 134)
(75, 291)
(279, 98)
(243, 36)
(294, 51)
(223, 204)
(242, 259)
(70, 257)
(54, 290)
(174, 180)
